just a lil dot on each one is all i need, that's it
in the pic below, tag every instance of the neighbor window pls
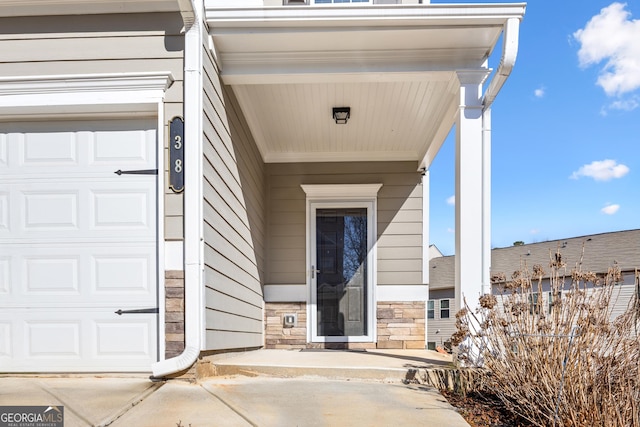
(431, 312)
(431, 345)
(533, 303)
(553, 299)
(444, 308)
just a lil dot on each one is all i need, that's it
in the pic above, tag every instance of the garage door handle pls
(137, 172)
(120, 312)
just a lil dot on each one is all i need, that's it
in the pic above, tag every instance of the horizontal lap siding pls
(101, 44)
(399, 225)
(233, 210)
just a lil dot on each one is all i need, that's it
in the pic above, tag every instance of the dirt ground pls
(484, 411)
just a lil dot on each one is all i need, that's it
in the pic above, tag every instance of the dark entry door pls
(341, 248)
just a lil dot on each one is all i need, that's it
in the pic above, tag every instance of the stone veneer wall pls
(401, 325)
(276, 335)
(174, 313)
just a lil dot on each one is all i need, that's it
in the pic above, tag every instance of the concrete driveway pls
(256, 388)
(232, 401)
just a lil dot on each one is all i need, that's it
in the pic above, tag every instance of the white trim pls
(160, 264)
(342, 195)
(173, 255)
(366, 15)
(285, 293)
(341, 191)
(426, 217)
(91, 90)
(402, 293)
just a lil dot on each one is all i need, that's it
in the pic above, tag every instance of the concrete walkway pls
(257, 400)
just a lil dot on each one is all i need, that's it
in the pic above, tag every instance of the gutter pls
(193, 249)
(508, 60)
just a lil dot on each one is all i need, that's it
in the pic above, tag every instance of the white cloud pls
(629, 104)
(451, 200)
(613, 37)
(451, 230)
(610, 209)
(601, 170)
(539, 93)
(534, 231)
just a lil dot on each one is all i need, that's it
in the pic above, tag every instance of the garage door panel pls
(52, 339)
(74, 147)
(51, 149)
(3, 150)
(75, 340)
(122, 209)
(50, 210)
(68, 210)
(5, 274)
(4, 213)
(118, 275)
(125, 148)
(122, 339)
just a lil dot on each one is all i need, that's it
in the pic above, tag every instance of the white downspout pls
(507, 62)
(193, 273)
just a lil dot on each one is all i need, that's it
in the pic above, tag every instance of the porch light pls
(341, 114)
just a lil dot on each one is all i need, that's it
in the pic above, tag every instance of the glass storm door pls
(341, 271)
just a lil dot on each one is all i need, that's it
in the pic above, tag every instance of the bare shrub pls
(563, 361)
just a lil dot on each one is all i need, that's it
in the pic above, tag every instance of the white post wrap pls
(471, 184)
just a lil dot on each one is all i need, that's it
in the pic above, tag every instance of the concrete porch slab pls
(386, 365)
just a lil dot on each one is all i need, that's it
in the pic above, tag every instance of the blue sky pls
(566, 129)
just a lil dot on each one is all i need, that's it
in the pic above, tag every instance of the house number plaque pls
(176, 154)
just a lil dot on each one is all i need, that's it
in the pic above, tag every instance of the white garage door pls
(77, 243)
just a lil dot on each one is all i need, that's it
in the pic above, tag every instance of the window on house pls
(431, 309)
(533, 303)
(431, 345)
(553, 299)
(444, 308)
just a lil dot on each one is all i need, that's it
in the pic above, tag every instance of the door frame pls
(341, 196)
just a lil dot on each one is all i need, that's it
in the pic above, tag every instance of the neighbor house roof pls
(601, 251)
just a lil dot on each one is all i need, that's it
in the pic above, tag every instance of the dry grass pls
(561, 364)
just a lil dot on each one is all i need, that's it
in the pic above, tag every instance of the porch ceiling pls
(393, 65)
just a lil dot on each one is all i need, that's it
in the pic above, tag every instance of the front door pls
(340, 280)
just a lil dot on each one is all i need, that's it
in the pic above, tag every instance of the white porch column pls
(473, 234)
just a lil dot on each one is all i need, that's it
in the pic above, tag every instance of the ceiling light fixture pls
(341, 115)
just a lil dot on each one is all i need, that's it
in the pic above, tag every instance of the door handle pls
(120, 312)
(314, 271)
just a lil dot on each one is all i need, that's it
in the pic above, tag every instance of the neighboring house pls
(601, 251)
(299, 225)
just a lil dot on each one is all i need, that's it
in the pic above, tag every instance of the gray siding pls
(98, 44)
(399, 217)
(234, 206)
(439, 330)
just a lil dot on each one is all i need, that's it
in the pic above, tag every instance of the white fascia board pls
(325, 15)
